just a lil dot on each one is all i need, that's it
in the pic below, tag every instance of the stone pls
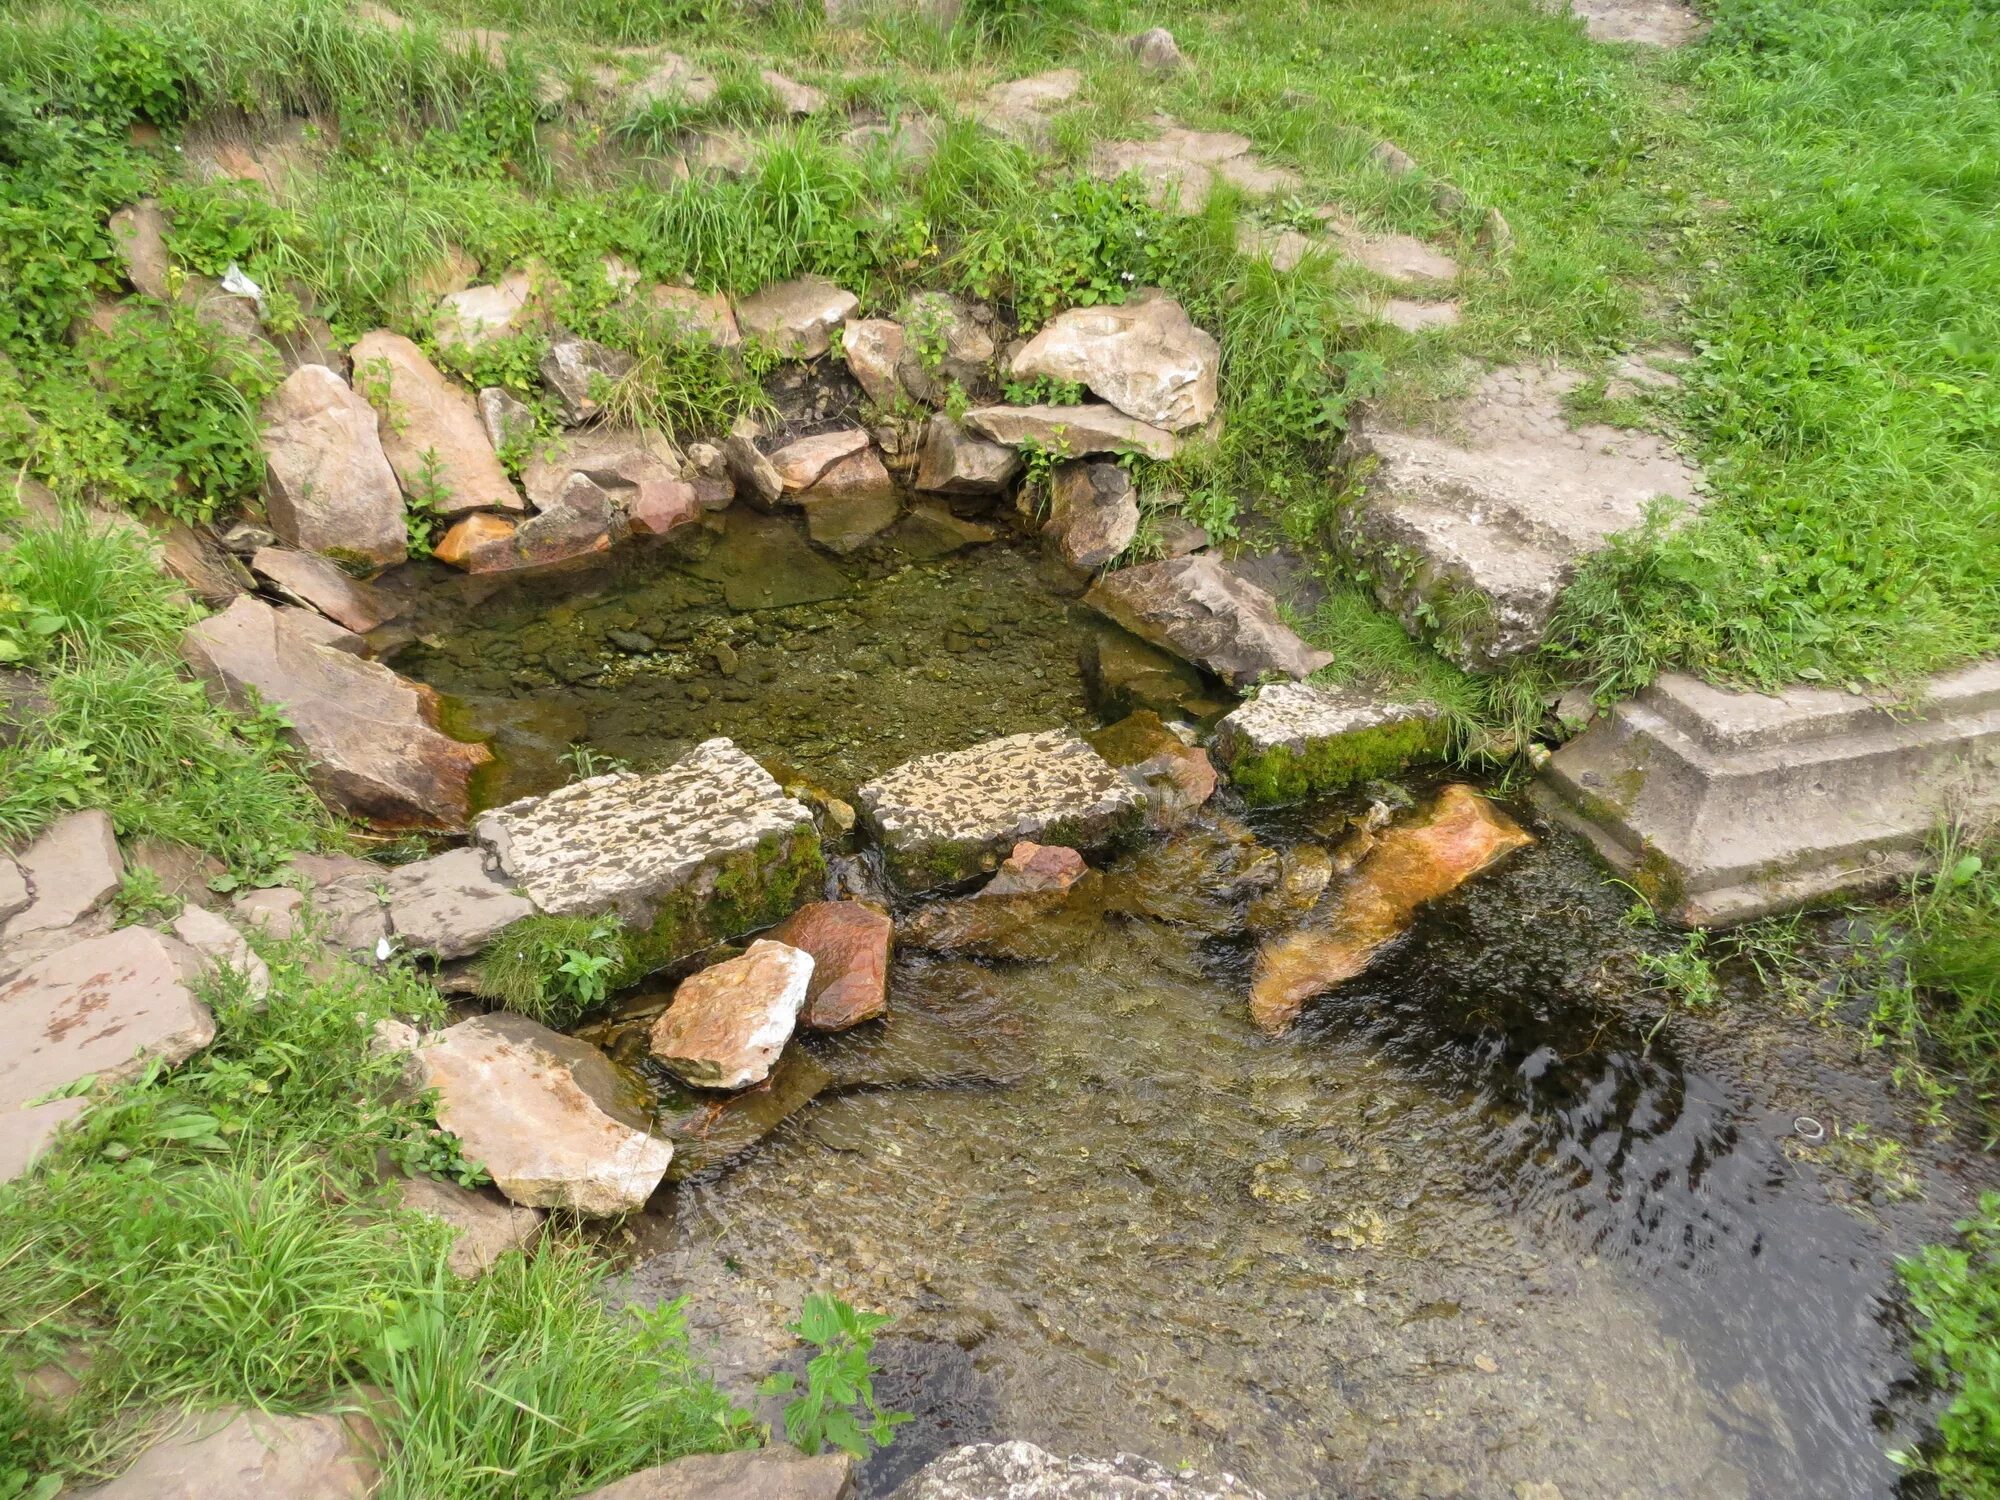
(637, 473)
(728, 1023)
(234, 1454)
(854, 501)
(801, 463)
(1072, 431)
(480, 543)
(874, 349)
(793, 97)
(944, 347)
(72, 868)
(431, 429)
(328, 485)
(541, 1113)
(1197, 608)
(1145, 357)
(797, 318)
(1176, 776)
(1281, 249)
(220, 946)
(100, 1007)
(484, 1227)
(276, 911)
(707, 470)
(756, 476)
(1023, 927)
(1295, 739)
(1648, 23)
(14, 892)
(195, 560)
(1021, 1471)
(1180, 166)
(578, 524)
(139, 236)
(1472, 539)
(1093, 513)
(708, 849)
(309, 579)
(1021, 108)
(26, 1133)
(668, 76)
(774, 1473)
(181, 871)
(1401, 258)
(705, 315)
(849, 946)
(710, 1130)
(1156, 50)
(453, 271)
(952, 461)
(451, 905)
(1417, 317)
(578, 373)
(906, 141)
(945, 818)
(1409, 864)
(1725, 806)
(475, 316)
(370, 736)
(1036, 869)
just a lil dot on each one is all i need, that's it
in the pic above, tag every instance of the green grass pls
(1955, 1293)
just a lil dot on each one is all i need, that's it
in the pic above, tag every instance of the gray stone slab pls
(944, 818)
(1203, 612)
(1470, 532)
(1724, 806)
(1297, 738)
(452, 904)
(71, 868)
(26, 1133)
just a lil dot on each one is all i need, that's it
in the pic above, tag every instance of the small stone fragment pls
(313, 581)
(1036, 869)
(1177, 777)
(509, 422)
(793, 97)
(484, 1228)
(223, 947)
(954, 462)
(451, 905)
(579, 373)
(477, 315)
(728, 1023)
(874, 349)
(480, 543)
(139, 236)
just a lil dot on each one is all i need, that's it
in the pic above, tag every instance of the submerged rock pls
(1024, 926)
(1146, 358)
(944, 818)
(854, 501)
(1021, 1471)
(328, 486)
(1409, 865)
(849, 945)
(430, 429)
(540, 1112)
(728, 1023)
(1176, 776)
(1124, 675)
(1294, 739)
(1036, 869)
(709, 848)
(1197, 608)
(371, 736)
(709, 1130)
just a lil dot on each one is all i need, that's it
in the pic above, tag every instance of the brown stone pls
(254, 1455)
(477, 315)
(800, 464)
(874, 349)
(311, 580)
(139, 235)
(430, 429)
(954, 462)
(852, 502)
(195, 559)
(1093, 513)
(1034, 869)
(1409, 865)
(709, 1130)
(705, 315)
(481, 543)
(1199, 609)
(1072, 431)
(773, 1473)
(796, 318)
(728, 1023)
(1144, 357)
(484, 1226)
(849, 946)
(371, 736)
(328, 485)
(577, 525)
(1178, 777)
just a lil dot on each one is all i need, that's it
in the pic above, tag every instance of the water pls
(1466, 1228)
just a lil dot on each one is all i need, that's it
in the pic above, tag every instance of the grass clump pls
(555, 969)
(1955, 1292)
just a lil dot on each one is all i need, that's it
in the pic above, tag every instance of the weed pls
(554, 969)
(1955, 1291)
(838, 1404)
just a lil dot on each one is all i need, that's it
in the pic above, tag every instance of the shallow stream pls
(1465, 1230)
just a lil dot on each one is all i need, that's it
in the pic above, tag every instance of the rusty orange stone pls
(849, 944)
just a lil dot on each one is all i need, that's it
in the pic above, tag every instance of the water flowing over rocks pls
(708, 848)
(1093, 513)
(1177, 777)
(1021, 1471)
(1200, 610)
(371, 736)
(1724, 806)
(849, 945)
(774, 1473)
(1036, 869)
(1296, 738)
(539, 1111)
(1406, 866)
(311, 580)
(430, 429)
(797, 318)
(452, 904)
(484, 1227)
(1144, 357)
(728, 1023)
(1501, 516)
(944, 818)
(234, 1454)
(1074, 431)
(1156, 50)
(328, 485)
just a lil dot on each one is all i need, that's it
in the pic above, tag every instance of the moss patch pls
(747, 891)
(1284, 774)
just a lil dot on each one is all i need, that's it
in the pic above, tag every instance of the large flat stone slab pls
(541, 1112)
(1294, 739)
(1203, 612)
(26, 1133)
(1072, 431)
(71, 868)
(1471, 532)
(99, 1008)
(945, 818)
(706, 849)
(452, 904)
(254, 1455)
(1725, 806)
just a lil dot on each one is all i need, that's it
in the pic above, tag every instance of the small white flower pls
(383, 948)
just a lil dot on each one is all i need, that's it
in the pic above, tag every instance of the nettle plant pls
(838, 1404)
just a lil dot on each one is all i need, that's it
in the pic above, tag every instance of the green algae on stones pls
(1296, 739)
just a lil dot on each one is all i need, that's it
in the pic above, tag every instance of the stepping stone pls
(944, 818)
(72, 868)
(328, 485)
(102, 1007)
(309, 579)
(1180, 166)
(774, 1473)
(430, 429)
(1472, 538)
(797, 318)
(27, 1131)
(252, 1455)
(1073, 431)
(370, 735)
(451, 905)
(1021, 108)
(849, 946)
(1283, 249)
(1401, 258)
(707, 849)
(541, 1113)
(1295, 739)
(484, 1226)
(1724, 806)
(727, 1024)
(1145, 358)
(1417, 317)
(1198, 609)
